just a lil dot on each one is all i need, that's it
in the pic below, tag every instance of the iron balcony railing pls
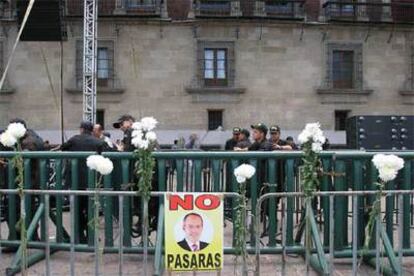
(118, 7)
(290, 9)
(374, 12)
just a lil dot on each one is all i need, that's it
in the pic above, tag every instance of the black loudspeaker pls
(45, 22)
(380, 132)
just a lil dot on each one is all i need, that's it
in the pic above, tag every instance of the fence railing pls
(60, 179)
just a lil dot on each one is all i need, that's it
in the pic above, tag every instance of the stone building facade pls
(195, 66)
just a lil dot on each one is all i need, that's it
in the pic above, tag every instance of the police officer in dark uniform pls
(84, 141)
(244, 142)
(231, 143)
(259, 137)
(124, 123)
(277, 143)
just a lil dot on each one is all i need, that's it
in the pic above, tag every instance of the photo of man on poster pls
(193, 229)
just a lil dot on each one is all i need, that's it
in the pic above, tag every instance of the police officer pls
(277, 143)
(232, 142)
(124, 123)
(259, 137)
(244, 142)
(84, 141)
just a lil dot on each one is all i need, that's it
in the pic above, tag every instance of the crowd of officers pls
(92, 138)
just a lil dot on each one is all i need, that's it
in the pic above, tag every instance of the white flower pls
(312, 132)
(7, 139)
(99, 163)
(17, 130)
(140, 143)
(105, 167)
(240, 179)
(93, 160)
(388, 166)
(151, 136)
(316, 147)
(137, 126)
(243, 172)
(136, 133)
(148, 123)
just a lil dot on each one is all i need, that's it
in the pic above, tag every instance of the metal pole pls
(89, 59)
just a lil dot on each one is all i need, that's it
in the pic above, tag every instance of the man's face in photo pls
(193, 227)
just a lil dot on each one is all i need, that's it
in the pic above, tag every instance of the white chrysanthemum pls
(151, 136)
(243, 172)
(137, 133)
(388, 166)
(99, 163)
(137, 126)
(17, 130)
(7, 139)
(148, 123)
(312, 132)
(105, 166)
(240, 179)
(140, 143)
(93, 160)
(316, 147)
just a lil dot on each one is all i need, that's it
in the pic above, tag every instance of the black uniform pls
(230, 144)
(83, 142)
(261, 146)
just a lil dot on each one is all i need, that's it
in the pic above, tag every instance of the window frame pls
(202, 45)
(357, 66)
(216, 81)
(339, 81)
(100, 82)
(210, 111)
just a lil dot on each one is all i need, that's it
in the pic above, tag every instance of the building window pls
(343, 69)
(216, 64)
(340, 119)
(215, 67)
(105, 64)
(344, 66)
(215, 119)
(100, 117)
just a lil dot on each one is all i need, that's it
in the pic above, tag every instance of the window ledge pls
(407, 96)
(215, 94)
(7, 91)
(100, 90)
(407, 93)
(343, 96)
(337, 91)
(216, 90)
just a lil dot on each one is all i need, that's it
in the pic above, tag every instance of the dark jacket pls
(244, 144)
(82, 142)
(230, 144)
(184, 245)
(261, 146)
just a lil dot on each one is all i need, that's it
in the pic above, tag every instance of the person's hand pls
(120, 147)
(276, 147)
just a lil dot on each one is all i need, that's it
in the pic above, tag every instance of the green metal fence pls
(277, 216)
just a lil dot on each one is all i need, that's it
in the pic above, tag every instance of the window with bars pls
(215, 64)
(105, 64)
(343, 69)
(215, 67)
(344, 66)
(340, 119)
(215, 119)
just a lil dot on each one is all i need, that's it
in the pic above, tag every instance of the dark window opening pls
(215, 119)
(343, 69)
(100, 117)
(340, 119)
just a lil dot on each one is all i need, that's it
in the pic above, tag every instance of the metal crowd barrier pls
(275, 202)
